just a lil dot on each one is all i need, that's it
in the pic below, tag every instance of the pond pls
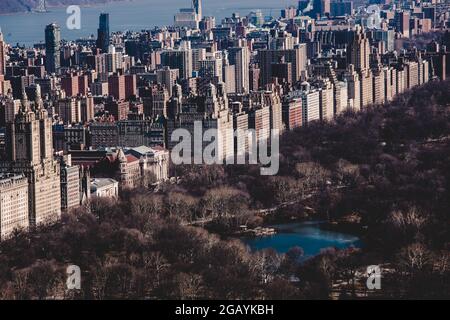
(307, 235)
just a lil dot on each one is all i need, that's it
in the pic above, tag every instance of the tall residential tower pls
(103, 33)
(52, 48)
(30, 152)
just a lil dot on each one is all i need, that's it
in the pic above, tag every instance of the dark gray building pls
(52, 48)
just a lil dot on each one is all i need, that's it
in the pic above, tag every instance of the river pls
(28, 28)
(307, 235)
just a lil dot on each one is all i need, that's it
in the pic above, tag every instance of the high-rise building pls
(229, 77)
(13, 204)
(401, 20)
(211, 67)
(282, 71)
(401, 84)
(412, 71)
(116, 86)
(326, 99)
(273, 100)
(289, 12)
(366, 81)
(310, 103)
(70, 84)
(160, 99)
(341, 8)
(386, 37)
(179, 59)
(52, 48)
(198, 54)
(424, 71)
(240, 57)
(197, 4)
(130, 86)
(69, 110)
(87, 108)
(30, 151)
(187, 18)
(358, 51)
(70, 184)
(254, 76)
(389, 83)
(2, 55)
(297, 57)
(354, 88)
(378, 90)
(259, 120)
(314, 8)
(167, 77)
(83, 84)
(340, 97)
(240, 125)
(292, 113)
(11, 107)
(103, 33)
(117, 108)
(99, 89)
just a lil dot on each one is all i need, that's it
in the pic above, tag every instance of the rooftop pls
(102, 182)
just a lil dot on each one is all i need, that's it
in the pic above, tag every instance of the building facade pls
(30, 151)
(13, 204)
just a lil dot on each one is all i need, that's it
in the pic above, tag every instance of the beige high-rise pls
(13, 204)
(30, 152)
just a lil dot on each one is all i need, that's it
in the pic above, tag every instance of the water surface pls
(28, 28)
(307, 235)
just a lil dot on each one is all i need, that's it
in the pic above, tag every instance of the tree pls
(181, 206)
(224, 202)
(190, 286)
(415, 257)
(21, 284)
(155, 265)
(41, 278)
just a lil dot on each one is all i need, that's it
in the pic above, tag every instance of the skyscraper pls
(30, 151)
(197, 4)
(359, 51)
(2, 54)
(297, 57)
(180, 59)
(52, 48)
(401, 20)
(103, 33)
(240, 57)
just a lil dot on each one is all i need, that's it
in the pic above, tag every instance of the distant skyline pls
(28, 28)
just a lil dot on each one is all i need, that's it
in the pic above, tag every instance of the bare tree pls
(21, 284)
(415, 257)
(189, 285)
(156, 264)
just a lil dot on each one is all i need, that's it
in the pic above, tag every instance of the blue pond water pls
(307, 235)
